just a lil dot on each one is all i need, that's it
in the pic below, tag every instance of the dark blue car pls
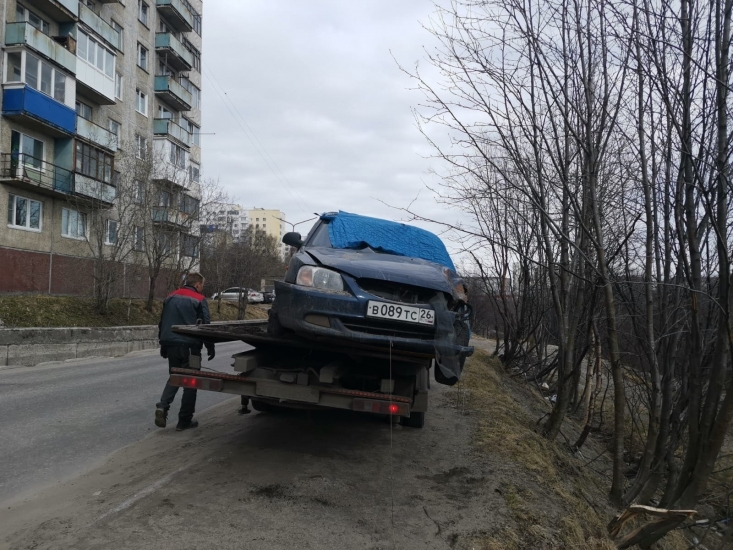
(379, 283)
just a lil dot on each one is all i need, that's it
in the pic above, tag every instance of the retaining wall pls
(31, 346)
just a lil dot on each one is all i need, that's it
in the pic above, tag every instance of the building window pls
(139, 239)
(110, 233)
(14, 67)
(195, 92)
(32, 150)
(195, 53)
(188, 205)
(142, 57)
(115, 128)
(139, 192)
(116, 178)
(39, 75)
(194, 170)
(94, 54)
(164, 113)
(73, 224)
(196, 133)
(116, 26)
(190, 246)
(142, 12)
(141, 146)
(197, 23)
(83, 110)
(24, 213)
(24, 14)
(93, 162)
(141, 102)
(164, 199)
(178, 156)
(118, 86)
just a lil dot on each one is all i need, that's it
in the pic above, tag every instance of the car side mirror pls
(293, 239)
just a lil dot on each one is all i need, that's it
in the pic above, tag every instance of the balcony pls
(24, 34)
(166, 127)
(96, 134)
(62, 11)
(177, 13)
(168, 216)
(170, 91)
(99, 26)
(173, 52)
(87, 188)
(42, 177)
(39, 110)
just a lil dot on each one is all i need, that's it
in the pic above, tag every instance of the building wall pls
(44, 260)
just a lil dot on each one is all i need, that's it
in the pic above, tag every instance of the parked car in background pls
(269, 296)
(232, 295)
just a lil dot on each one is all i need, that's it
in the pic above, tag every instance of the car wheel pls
(416, 420)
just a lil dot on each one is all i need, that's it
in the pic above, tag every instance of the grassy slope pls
(557, 501)
(66, 311)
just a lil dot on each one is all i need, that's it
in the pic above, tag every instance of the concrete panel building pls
(235, 219)
(85, 84)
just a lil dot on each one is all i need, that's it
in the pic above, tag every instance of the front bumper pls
(343, 315)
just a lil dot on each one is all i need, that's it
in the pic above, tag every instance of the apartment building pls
(235, 219)
(86, 84)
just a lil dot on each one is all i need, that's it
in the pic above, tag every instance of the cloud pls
(317, 84)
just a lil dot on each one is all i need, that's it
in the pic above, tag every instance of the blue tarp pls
(352, 231)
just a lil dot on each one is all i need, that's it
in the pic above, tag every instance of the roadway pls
(57, 420)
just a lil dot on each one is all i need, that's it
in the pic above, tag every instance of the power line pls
(292, 191)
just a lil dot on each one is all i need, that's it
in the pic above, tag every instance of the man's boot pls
(161, 416)
(186, 425)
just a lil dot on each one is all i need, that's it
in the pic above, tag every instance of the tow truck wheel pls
(416, 420)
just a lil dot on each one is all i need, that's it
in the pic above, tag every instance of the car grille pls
(389, 329)
(397, 292)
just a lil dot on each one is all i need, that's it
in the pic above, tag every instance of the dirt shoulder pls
(476, 477)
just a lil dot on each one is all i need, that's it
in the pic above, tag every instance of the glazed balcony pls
(166, 127)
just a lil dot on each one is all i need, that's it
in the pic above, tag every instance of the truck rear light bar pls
(381, 407)
(336, 391)
(196, 382)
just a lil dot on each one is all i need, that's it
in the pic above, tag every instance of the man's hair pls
(193, 278)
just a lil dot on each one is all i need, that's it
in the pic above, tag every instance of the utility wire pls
(271, 164)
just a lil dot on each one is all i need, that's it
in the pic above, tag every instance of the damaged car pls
(376, 282)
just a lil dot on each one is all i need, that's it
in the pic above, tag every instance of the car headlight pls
(319, 277)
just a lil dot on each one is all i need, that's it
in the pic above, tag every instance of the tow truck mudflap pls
(320, 396)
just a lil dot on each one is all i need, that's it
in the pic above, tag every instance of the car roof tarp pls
(352, 231)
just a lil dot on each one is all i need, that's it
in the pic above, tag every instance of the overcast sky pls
(328, 108)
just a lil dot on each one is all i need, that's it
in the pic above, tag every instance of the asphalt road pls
(57, 420)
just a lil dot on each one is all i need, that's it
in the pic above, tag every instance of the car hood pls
(367, 263)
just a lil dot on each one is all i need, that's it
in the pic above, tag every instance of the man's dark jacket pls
(184, 306)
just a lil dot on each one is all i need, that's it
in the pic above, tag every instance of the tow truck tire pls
(416, 420)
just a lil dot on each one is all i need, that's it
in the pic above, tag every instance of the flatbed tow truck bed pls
(295, 372)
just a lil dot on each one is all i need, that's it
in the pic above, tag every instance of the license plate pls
(409, 314)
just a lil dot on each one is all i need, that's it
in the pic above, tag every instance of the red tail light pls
(196, 382)
(381, 407)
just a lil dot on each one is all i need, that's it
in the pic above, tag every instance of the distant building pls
(235, 219)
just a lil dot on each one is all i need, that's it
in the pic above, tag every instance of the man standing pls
(185, 306)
